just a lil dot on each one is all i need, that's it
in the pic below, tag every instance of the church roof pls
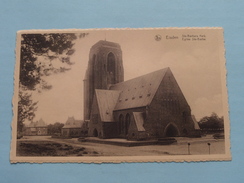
(196, 126)
(107, 100)
(138, 92)
(73, 123)
(139, 119)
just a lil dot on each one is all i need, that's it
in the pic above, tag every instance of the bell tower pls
(105, 68)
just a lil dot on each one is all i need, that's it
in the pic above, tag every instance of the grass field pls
(47, 148)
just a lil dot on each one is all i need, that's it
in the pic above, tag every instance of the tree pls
(54, 128)
(39, 53)
(26, 109)
(212, 122)
(50, 47)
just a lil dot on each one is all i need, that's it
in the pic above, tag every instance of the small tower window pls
(111, 63)
(111, 68)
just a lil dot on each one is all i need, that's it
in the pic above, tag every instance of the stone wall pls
(95, 124)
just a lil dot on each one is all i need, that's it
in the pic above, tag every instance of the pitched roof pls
(196, 126)
(138, 92)
(32, 124)
(73, 123)
(107, 100)
(138, 116)
(39, 123)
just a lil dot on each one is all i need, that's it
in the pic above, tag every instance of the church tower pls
(105, 68)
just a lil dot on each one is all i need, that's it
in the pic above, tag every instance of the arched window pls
(111, 67)
(121, 124)
(127, 123)
(111, 63)
(93, 65)
(92, 79)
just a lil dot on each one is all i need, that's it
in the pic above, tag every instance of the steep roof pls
(107, 100)
(138, 92)
(196, 126)
(138, 116)
(32, 124)
(39, 123)
(73, 123)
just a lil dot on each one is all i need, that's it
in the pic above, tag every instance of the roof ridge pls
(139, 91)
(166, 68)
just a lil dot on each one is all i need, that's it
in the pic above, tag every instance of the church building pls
(151, 106)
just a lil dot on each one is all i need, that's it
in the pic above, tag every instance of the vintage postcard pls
(120, 95)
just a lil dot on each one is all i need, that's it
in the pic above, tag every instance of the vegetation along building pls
(147, 107)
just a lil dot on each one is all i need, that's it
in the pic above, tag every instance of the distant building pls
(146, 107)
(74, 128)
(36, 128)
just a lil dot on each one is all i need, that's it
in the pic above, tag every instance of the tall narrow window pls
(121, 124)
(111, 68)
(92, 83)
(93, 67)
(127, 123)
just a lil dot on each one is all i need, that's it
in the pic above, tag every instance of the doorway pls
(171, 131)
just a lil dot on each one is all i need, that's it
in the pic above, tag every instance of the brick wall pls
(169, 106)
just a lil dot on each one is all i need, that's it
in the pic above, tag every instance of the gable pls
(39, 123)
(106, 100)
(73, 123)
(169, 95)
(138, 92)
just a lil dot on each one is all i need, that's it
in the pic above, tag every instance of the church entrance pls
(171, 131)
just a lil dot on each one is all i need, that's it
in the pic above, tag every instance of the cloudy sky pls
(196, 64)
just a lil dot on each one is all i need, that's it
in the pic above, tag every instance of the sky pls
(196, 64)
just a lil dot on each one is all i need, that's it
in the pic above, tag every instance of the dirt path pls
(198, 146)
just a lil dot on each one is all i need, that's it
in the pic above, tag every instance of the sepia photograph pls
(120, 95)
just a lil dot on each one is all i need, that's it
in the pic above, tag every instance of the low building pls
(36, 128)
(74, 128)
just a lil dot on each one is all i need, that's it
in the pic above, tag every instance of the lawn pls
(47, 148)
